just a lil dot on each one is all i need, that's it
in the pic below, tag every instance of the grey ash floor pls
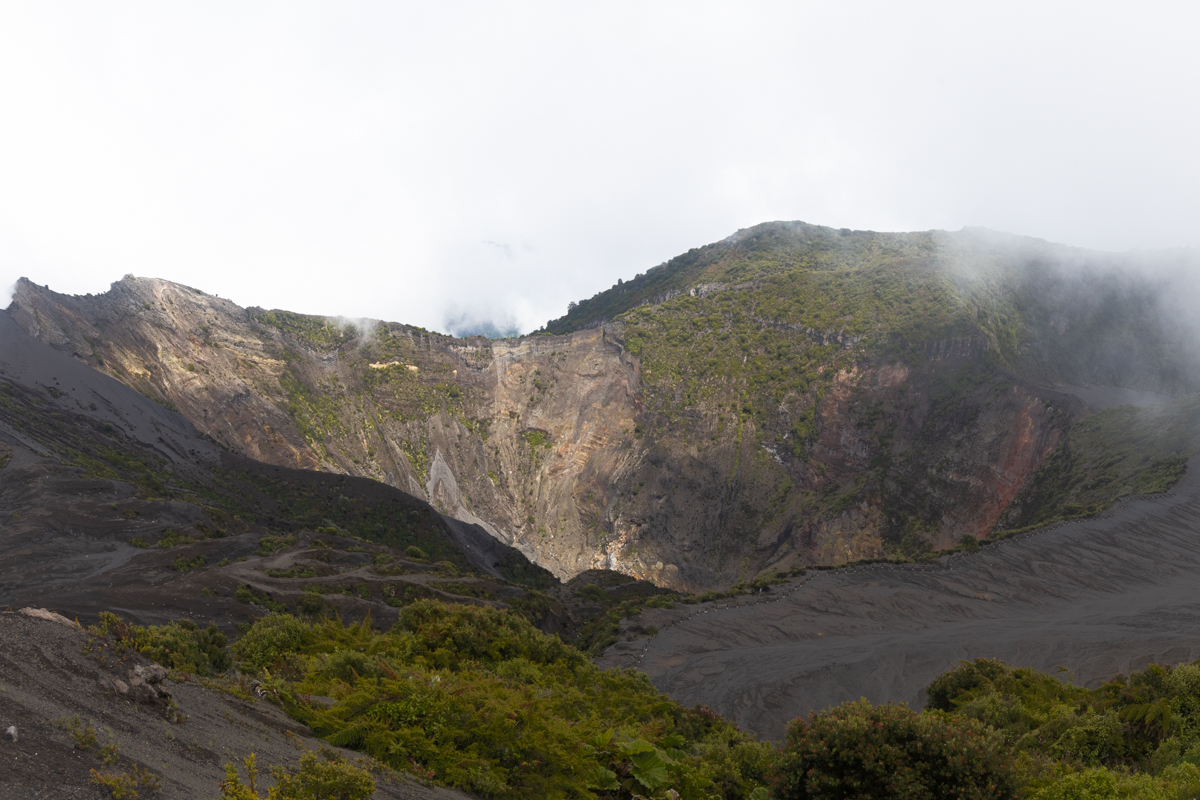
(1096, 597)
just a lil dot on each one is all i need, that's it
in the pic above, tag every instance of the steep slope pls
(108, 501)
(521, 433)
(791, 395)
(53, 678)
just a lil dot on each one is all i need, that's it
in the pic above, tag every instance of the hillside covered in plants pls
(793, 395)
(476, 698)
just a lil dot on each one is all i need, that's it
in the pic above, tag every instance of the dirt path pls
(1097, 597)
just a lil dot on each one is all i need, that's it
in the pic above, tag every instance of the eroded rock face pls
(544, 440)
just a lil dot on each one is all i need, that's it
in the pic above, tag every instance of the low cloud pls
(474, 323)
(363, 327)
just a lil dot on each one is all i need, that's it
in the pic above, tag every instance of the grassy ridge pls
(772, 347)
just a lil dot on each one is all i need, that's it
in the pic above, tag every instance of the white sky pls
(406, 161)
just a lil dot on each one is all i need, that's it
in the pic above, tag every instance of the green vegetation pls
(82, 733)
(317, 332)
(1135, 736)
(770, 318)
(410, 593)
(181, 645)
(108, 754)
(418, 457)
(172, 538)
(271, 638)
(859, 750)
(599, 632)
(407, 395)
(406, 384)
(122, 785)
(327, 777)
(269, 544)
(536, 439)
(522, 571)
(477, 698)
(249, 595)
(1111, 454)
(184, 564)
(317, 413)
(356, 507)
(483, 592)
(780, 341)
(114, 464)
(766, 334)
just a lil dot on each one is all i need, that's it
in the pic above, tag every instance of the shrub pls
(1095, 784)
(172, 538)
(1104, 784)
(248, 594)
(414, 552)
(860, 750)
(594, 593)
(123, 785)
(268, 639)
(329, 777)
(350, 665)
(178, 645)
(183, 564)
(310, 603)
(1091, 740)
(1148, 720)
(82, 733)
(269, 544)
(476, 697)
(108, 754)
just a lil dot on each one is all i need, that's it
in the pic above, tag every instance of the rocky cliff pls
(791, 395)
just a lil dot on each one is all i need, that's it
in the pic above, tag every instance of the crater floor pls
(1096, 597)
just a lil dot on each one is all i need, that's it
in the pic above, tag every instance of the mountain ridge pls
(793, 394)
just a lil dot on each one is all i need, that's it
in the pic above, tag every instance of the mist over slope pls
(1052, 311)
(791, 395)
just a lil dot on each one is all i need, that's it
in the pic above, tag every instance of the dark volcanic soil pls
(1098, 597)
(46, 677)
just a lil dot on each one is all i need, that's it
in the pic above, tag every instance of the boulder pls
(144, 693)
(49, 616)
(149, 673)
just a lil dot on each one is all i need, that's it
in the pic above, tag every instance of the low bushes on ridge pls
(477, 698)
